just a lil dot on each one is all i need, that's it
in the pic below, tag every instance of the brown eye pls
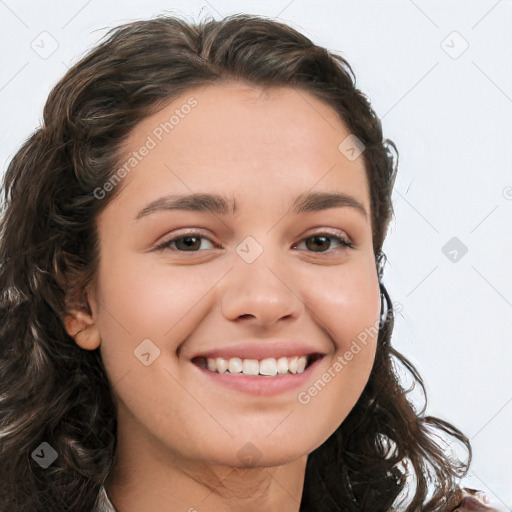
(322, 242)
(190, 242)
(319, 242)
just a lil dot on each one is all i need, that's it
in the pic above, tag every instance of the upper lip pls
(259, 350)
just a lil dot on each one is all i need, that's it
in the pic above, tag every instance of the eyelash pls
(345, 243)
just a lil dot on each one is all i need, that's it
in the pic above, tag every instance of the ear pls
(82, 327)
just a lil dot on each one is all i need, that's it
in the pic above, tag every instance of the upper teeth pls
(269, 366)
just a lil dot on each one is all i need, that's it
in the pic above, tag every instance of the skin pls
(179, 436)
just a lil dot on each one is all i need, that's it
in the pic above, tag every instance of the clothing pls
(473, 501)
(103, 504)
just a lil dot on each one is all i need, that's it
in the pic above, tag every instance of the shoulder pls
(473, 500)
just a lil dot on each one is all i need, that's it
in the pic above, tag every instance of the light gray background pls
(448, 111)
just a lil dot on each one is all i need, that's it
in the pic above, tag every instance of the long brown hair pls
(55, 392)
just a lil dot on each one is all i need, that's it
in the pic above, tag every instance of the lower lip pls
(261, 385)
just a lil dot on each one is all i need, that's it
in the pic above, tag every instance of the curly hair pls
(53, 391)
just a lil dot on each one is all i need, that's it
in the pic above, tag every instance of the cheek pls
(347, 303)
(141, 301)
(347, 306)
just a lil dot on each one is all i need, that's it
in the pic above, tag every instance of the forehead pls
(234, 137)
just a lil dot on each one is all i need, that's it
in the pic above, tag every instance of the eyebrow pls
(220, 205)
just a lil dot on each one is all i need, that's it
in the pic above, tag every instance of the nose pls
(260, 294)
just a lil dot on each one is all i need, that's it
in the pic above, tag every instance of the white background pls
(451, 118)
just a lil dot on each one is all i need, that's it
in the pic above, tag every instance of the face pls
(273, 279)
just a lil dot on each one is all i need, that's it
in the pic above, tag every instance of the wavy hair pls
(53, 391)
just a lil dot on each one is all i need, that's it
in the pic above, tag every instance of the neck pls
(148, 476)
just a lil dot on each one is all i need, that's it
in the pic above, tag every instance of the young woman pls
(193, 315)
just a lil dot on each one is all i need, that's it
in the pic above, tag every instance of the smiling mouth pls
(269, 367)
